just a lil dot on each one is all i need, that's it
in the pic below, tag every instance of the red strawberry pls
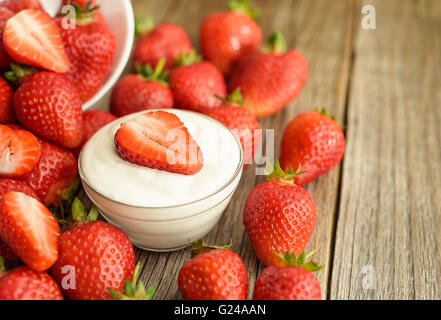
(269, 80)
(213, 273)
(32, 37)
(6, 108)
(293, 282)
(241, 121)
(23, 283)
(19, 5)
(5, 14)
(101, 255)
(88, 5)
(19, 152)
(225, 36)
(90, 47)
(195, 85)
(159, 140)
(93, 120)
(48, 104)
(167, 40)
(279, 216)
(29, 229)
(7, 185)
(313, 141)
(146, 90)
(55, 172)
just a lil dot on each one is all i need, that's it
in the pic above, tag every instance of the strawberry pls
(293, 282)
(313, 141)
(159, 140)
(213, 273)
(23, 283)
(87, 6)
(195, 85)
(271, 79)
(93, 120)
(101, 255)
(18, 5)
(55, 172)
(7, 185)
(166, 40)
(32, 37)
(6, 108)
(90, 47)
(146, 90)
(241, 121)
(279, 216)
(29, 229)
(19, 152)
(5, 14)
(225, 36)
(48, 104)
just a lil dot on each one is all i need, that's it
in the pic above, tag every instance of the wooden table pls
(379, 212)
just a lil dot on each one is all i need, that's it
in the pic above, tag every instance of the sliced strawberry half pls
(29, 229)
(19, 152)
(159, 140)
(32, 37)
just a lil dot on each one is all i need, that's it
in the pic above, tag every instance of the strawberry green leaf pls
(199, 247)
(143, 24)
(243, 6)
(131, 292)
(290, 259)
(276, 44)
(274, 173)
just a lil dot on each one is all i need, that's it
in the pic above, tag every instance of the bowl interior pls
(119, 17)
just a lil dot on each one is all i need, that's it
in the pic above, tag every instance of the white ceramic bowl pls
(160, 228)
(119, 17)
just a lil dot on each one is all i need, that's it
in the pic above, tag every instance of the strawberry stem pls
(153, 75)
(199, 247)
(86, 15)
(324, 112)
(276, 174)
(2, 265)
(186, 59)
(131, 292)
(19, 73)
(234, 98)
(80, 215)
(276, 44)
(143, 24)
(290, 259)
(243, 6)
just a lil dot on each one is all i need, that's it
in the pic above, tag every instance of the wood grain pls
(390, 206)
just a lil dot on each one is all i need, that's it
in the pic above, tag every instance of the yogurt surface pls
(122, 181)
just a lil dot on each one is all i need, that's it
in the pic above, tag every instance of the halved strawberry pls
(29, 229)
(18, 5)
(32, 37)
(159, 140)
(19, 152)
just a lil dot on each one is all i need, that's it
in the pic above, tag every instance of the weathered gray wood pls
(390, 206)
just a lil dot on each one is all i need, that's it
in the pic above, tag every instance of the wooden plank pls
(390, 205)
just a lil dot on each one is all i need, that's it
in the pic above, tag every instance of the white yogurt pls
(130, 184)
